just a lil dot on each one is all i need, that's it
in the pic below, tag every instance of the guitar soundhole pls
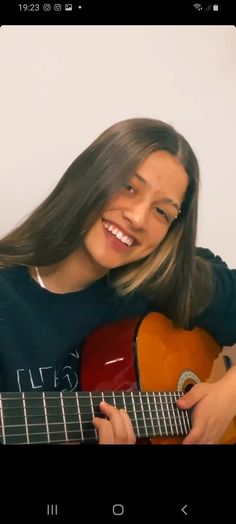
(188, 387)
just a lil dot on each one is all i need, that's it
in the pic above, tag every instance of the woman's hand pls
(214, 406)
(117, 429)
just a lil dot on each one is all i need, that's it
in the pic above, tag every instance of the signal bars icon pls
(210, 7)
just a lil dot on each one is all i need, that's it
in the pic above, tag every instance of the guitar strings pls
(157, 426)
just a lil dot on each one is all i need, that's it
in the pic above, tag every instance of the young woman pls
(115, 239)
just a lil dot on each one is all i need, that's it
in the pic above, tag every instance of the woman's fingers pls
(117, 428)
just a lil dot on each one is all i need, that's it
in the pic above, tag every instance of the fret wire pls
(173, 411)
(172, 432)
(91, 404)
(177, 395)
(162, 423)
(40, 419)
(180, 413)
(149, 407)
(79, 414)
(187, 419)
(103, 399)
(124, 401)
(184, 422)
(179, 417)
(2, 420)
(188, 416)
(93, 414)
(126, 409)
(157, 416)
(114, 399)
(186, 413)
(143, 414)
(134, 412)
(163, 413)
(160, 427)
(72, 422)
(25, 417)
(46, 416)
(183, 418)
(63, 415)
(172, 415)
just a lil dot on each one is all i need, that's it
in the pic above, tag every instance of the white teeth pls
(118, 234)
(126, 239)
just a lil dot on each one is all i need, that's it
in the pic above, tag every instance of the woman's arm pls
(219, 318)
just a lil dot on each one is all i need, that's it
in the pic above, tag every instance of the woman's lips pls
(115, 243)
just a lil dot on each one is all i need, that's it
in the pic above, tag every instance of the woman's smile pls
(117, 237)
(139, 216)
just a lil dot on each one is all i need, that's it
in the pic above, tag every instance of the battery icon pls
(215, 7)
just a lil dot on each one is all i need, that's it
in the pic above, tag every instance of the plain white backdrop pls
(61, 86)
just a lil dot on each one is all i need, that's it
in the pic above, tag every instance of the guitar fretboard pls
(54, 417)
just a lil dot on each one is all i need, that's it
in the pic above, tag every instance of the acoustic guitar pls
(143, 365)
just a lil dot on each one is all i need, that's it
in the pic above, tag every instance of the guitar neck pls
(55, 417)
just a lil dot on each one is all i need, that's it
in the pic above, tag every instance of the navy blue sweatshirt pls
(41, 332)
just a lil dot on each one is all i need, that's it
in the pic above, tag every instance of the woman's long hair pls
(54, 230)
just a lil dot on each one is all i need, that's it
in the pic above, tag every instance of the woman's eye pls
(130, 188)
(163, 214)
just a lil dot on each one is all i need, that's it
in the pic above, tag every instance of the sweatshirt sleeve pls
(219, 318)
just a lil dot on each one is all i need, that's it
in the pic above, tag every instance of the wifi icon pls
(198, 7)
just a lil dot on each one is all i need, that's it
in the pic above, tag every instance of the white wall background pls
(63, 85)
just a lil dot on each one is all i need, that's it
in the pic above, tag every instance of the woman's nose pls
(136, 215)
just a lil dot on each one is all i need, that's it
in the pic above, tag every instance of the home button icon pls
(118, 509)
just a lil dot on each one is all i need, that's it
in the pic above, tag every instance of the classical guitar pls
(143, 365)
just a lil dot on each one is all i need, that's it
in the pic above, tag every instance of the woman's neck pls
(74, 273)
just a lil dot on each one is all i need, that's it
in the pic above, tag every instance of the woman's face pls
(139, 216)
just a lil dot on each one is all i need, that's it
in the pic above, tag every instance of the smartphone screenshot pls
(117, 261)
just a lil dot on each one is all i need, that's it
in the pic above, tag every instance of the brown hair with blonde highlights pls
(54, 230)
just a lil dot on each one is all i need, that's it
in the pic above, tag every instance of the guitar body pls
(150, 354)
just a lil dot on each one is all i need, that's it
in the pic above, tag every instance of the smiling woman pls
(136, 175)
(114, 239)
(139, 216)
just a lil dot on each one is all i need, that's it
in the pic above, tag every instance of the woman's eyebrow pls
(164, 200)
